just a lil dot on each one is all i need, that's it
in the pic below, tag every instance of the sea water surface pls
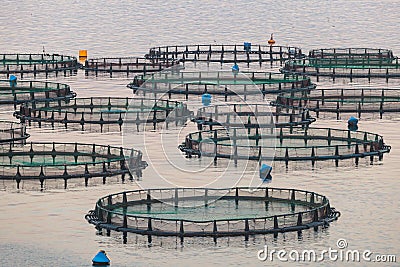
(48, 228)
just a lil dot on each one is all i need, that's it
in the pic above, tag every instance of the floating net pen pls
(290, 144)
(365, 101)
(368, 68)
(36, 64)
(222, 83)
(12, 133)
(353, 53)
(106, 113)
(126, 65)
(225, 53)
(210, 212)
(37, 91)
(42, 161)
(250, 116)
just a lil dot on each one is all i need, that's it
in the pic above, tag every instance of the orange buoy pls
(271, 41)
(83, 55)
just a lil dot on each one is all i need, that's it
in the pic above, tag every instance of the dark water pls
(48, 228)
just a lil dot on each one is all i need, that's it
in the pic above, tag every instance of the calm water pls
(48, 229)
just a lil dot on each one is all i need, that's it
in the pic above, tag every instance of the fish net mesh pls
(40, 161)
(209, 212)
(29, 91)
(290, 144)
(106, 113)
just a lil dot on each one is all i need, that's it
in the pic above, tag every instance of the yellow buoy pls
(271, 41)
(82, 55)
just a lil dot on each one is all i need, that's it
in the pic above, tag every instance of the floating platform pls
(33, 91)
(221, 83)
(106, 113)
(13, 133)
(214, 53)
(354, 100)
(346, 63)
(23, 64)
(42, 161)
(126, 65)
(288, 144)
(250, 116)
(209, 212)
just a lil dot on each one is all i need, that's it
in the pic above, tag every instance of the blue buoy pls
(101, 259)
(13, 81)
(206, 99)
(235, 68)
(247, 46)
(352, 121)
(352, 124)
(265, 172)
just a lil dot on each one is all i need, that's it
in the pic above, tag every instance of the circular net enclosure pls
(33, 91)
(126, 65)
(292, 144)
(40, 162)
(220, 83)
(357, 101)
(346, 63)
(258, 115)
(37, 63)
(353, 53)
(13, 133)
(106, 114)
(209, 212)
(246, 53)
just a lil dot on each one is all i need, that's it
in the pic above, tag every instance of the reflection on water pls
(48, 228)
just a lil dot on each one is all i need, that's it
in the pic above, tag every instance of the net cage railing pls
(127, 65)
(106, 113)
(111, 213)
(226, 53)
(41, 161)
(36, 63)
(338, 101)
(221, 82)
(12, 133)
(368, 68)
(33, 91)
(251, 115)
(353, 54)
(286, 145)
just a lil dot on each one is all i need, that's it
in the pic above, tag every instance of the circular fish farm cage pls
(33, 91)
(106, 114)
(291, 144)
(356, 101)
(126, 65)
(12, 133)
(343, 67)
(353, 53)
(220, 83)
(250, 116)
(246, 53)
(36, 64)
(43, 161)
(209, 212)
